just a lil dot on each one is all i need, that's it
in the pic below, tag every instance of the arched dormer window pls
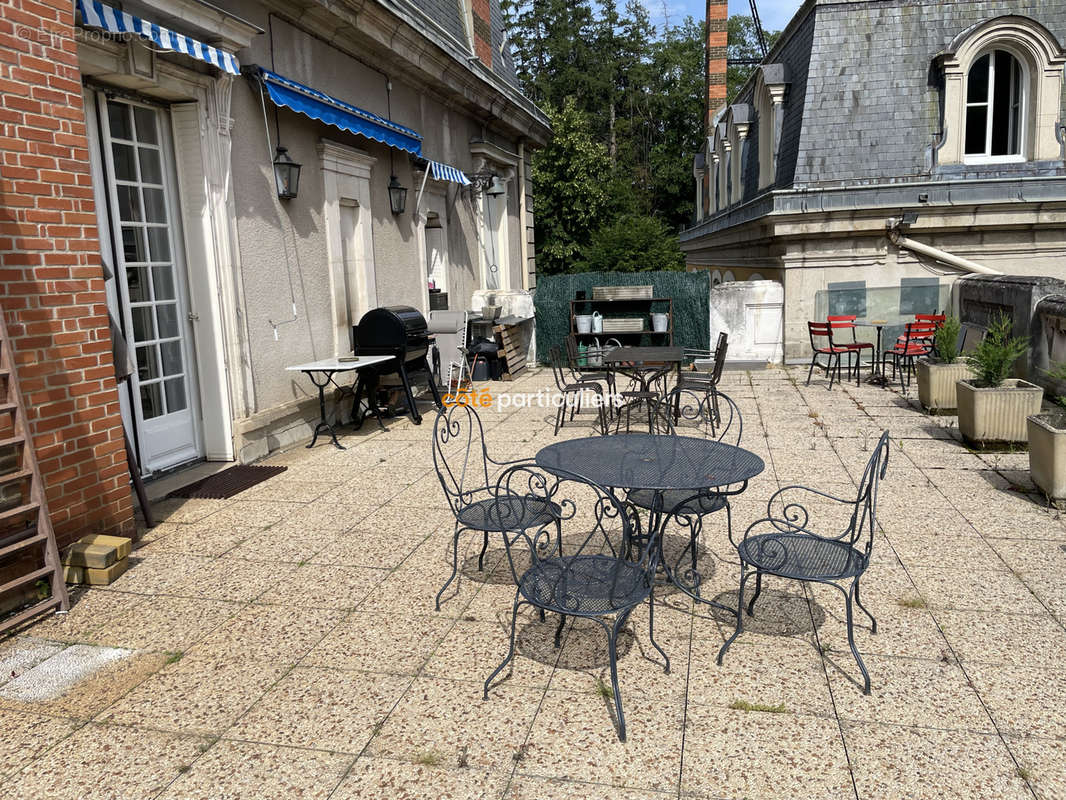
(996, 89)
(722, 166)
(771, 83)
(738, 122)
(1002, 91)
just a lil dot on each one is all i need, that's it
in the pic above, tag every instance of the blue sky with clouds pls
(775, 14)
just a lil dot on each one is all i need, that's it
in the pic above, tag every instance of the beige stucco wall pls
(281, 241)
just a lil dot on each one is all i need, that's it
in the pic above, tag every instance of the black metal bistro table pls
(321, 374)
(635, 361)
(877, 373)
(662, 464)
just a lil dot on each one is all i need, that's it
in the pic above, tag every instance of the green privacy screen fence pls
(690, 292)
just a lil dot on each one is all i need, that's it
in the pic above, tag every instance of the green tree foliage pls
(569, 194)
(627, 105)
(631, 243)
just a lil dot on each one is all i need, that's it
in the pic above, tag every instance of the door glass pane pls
(125, 169)
(175, 395)
(163, 280)
(137, 283)
(159, 244)
(146, 125)
(133, 244)
(129, 203)
(168, 320)
(171, 352)
(118, 120)
(151, 168)
(143, 326)
(155, 209)
(147, 362)
(151, 401)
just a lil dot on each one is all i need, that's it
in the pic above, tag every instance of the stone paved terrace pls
(286, 644)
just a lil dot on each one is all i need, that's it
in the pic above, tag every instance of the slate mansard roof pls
(449, 15)
(863, 104)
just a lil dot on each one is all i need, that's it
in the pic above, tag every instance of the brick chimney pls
(481, 13)
(717, 42)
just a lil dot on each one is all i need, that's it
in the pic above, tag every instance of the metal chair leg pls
(559, 631)
(851, 644)
(811, 370)
(744, 574)
(481, 557)
(455, 563)
(510, 652)
(858, 602)
(612, 648)
(651, 630)
(758, 591)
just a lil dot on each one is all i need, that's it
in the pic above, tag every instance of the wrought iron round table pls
(659, 463)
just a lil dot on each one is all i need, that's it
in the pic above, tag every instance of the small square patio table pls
(321, 374)
(661, 464)
(877, 373)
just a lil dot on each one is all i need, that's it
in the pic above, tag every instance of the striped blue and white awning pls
(95, 14)
(446, 172)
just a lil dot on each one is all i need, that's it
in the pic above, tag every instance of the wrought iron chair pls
(706, 381)
(594, 578)
(845, 322)
(463, 466)
(698, 414)
(916, 342)
(785, 545)
(574, 389)
(645, 396)
(819, 331)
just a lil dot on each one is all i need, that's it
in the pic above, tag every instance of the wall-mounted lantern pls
(397, 195)
(286, 174)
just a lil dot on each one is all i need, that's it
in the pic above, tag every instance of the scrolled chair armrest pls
(774, 525)
(795, 513)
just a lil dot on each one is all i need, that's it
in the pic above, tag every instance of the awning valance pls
(95, 14)
(446, 172)
(318, 105)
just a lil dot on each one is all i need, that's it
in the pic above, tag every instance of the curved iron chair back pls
(589, 573)
(712, 415)
(720, 351)
(459, 455)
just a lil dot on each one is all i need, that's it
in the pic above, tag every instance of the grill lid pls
(390, 326)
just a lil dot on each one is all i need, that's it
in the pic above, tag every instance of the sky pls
(775, 14)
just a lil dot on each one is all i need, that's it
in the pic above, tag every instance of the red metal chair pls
(818, 332)
(844, 322)
(916, 341)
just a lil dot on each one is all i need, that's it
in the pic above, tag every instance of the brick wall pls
(717, 45)
(482, 31)
(52, 283)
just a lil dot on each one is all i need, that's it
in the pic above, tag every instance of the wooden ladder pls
(25, 525)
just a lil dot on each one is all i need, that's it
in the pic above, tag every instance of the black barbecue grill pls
(400, 332)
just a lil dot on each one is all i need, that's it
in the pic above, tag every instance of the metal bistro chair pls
(785, 544)
(575, 389)
(463, 466)
(706, 382)
(645, 397)
(697, 416)
(916, 341)
(819, 331)
(593, 579)
(843, 322)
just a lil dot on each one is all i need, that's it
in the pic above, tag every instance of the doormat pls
(227, 483)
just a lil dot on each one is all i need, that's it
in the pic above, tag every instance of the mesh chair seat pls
(692, 503)
(585, 585)
(509, 513)
(801, 556)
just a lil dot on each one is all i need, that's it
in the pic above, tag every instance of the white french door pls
(151, 280)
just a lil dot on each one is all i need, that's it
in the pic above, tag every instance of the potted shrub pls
(937, 375)
(993, 407)
(1047, 444)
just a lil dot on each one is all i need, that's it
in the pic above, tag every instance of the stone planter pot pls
(999, 414)
(936, 383)
(1047, 453)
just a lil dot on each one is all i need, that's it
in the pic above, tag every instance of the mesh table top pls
(644, 461)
